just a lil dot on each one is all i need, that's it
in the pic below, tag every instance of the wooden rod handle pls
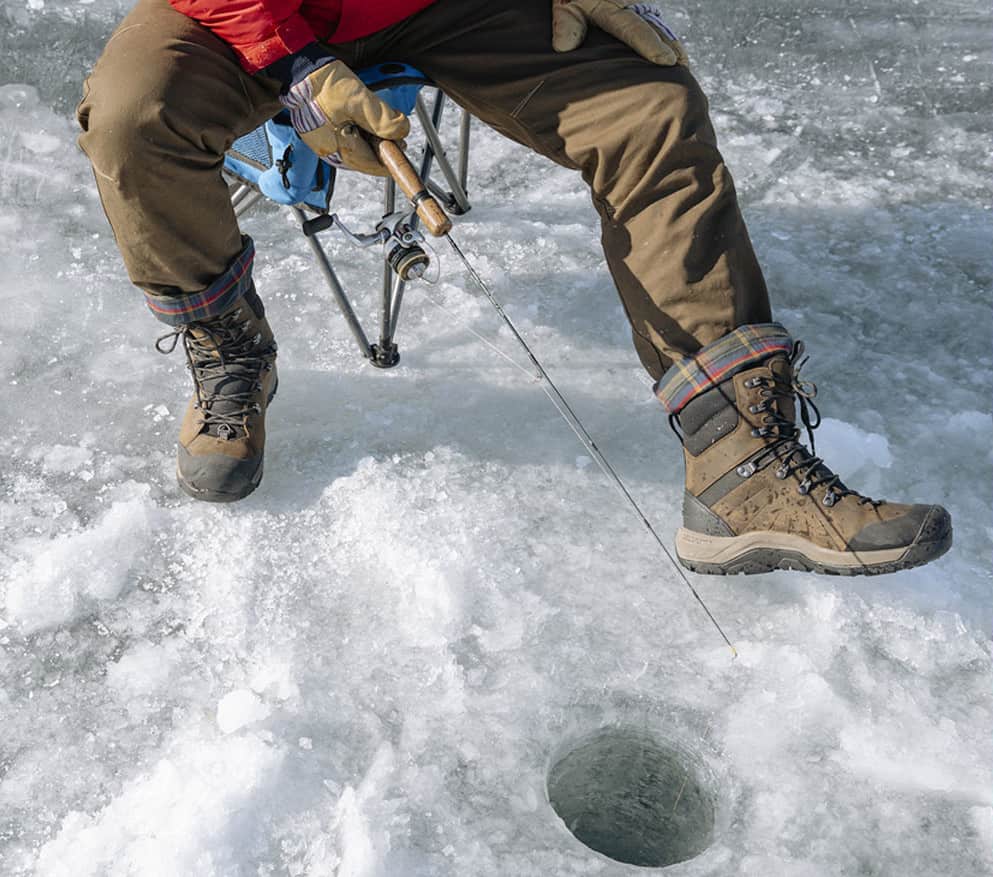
(428, 209)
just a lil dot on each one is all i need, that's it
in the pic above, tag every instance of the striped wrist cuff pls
(220, 296)
(718, 361)
(305, 114)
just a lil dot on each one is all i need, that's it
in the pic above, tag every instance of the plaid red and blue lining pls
(177, 310)
(719, 360)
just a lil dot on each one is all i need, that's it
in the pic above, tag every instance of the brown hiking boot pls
(222, 438)
(757, 500)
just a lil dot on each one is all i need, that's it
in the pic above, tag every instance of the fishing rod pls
(437, 222)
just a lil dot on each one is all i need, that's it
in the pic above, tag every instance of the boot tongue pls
(782, 370)
(206, 344)
(227, 382)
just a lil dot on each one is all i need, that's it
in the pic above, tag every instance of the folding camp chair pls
(273, 163)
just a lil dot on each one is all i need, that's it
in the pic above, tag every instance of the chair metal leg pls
(386, 354)
(465, 124)
(337, 291)
(246, 202)
(240, 190)
(455, 199)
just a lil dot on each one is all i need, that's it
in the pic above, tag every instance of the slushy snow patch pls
(48, 586)
(188, 815)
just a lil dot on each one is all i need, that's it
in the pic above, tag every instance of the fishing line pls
(576, 425)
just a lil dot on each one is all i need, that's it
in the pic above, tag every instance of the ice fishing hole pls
(634, 798)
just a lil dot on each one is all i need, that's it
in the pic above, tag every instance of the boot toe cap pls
(216, 477)
(919, 525)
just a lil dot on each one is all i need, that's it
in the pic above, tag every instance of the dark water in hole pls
(633, 798)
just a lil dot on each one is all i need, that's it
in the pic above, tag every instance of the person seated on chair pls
(598, 86)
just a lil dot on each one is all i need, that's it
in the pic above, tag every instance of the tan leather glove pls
(331, 107)
(640, 25)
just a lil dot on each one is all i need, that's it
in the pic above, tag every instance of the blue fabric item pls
(396, 84)
(294, 163)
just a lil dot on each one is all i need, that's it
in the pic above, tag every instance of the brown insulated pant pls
(167, 98)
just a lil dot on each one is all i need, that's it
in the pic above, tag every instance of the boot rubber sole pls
(206, 495)
(766, 551)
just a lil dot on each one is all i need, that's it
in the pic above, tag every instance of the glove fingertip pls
(665, 57)
(565, 44)
(568, 28)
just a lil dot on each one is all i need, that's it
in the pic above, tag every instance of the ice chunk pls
(63, 458)
(143, 668)
(240, 708)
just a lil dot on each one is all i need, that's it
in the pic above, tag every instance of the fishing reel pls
(404, 247)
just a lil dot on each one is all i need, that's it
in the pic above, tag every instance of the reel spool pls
(405, 255)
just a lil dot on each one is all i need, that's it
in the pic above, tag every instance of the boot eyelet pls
(746, 470)
(782, 474)
(829, 499)
(803, 488)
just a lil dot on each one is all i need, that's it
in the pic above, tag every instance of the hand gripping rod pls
(438, 224)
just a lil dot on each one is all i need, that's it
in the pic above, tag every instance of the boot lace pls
(227, 364)
(785, 447)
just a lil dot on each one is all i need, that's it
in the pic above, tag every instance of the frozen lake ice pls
(369, 666)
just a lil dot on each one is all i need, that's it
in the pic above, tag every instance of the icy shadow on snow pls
(322, 425)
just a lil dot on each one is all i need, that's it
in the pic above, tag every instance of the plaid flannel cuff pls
(220, 296)
(718, 361)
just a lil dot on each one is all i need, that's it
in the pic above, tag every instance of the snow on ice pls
(366, 667)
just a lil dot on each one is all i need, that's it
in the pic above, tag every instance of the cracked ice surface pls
(364, 668)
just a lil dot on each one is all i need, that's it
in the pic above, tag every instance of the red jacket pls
(263, 31)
